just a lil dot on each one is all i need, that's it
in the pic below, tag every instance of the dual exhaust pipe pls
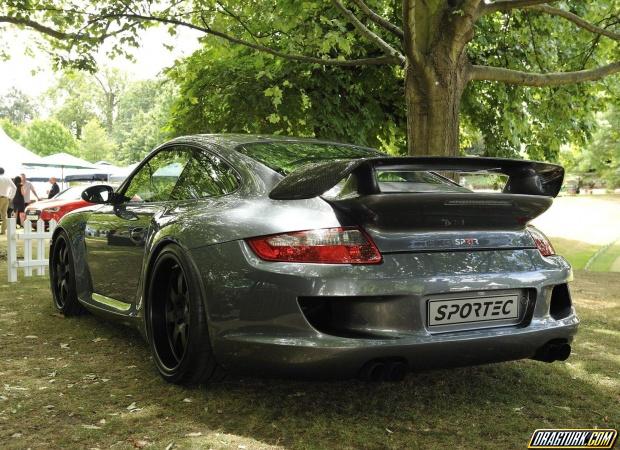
(384, 370)
(395, 369)
(556, 350)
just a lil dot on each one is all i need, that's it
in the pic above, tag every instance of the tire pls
(62, 277)
(176, 321)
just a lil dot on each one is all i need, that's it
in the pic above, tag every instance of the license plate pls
(472, 311)
(32, 215)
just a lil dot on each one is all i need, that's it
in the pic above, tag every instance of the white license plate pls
(31, 215)
(472, 310)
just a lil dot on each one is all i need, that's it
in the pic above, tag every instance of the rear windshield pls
(285, 157)
(415, 181)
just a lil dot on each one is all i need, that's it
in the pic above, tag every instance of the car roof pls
(230, 141)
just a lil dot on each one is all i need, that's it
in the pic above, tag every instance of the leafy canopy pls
(48, 136)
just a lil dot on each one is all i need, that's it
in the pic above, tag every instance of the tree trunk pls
(433, 112)
(436, 34)
(109, 112)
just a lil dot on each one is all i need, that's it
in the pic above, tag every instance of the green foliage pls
(233, 88)
(112, 84)
(228, 89)
(533, 121)
(74, 100)
(79, 97)
(12, 130)
(112, 118)
(17, 107)
(46, 137)
(602, 154)
(95, 144)
(143, 113)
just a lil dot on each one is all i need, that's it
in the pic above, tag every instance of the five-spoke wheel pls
(177, 313)
(62, 277)
(176, 320)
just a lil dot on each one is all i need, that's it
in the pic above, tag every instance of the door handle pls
(136, 235)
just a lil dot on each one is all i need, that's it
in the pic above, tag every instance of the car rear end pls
(412, 271)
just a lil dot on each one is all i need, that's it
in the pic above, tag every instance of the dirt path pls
(591, 219)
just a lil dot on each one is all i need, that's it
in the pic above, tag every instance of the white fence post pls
(27, 246)
(40, 247)
(28, 263)
(11, 236)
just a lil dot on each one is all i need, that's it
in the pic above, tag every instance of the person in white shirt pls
(28, 188)
(7, 192)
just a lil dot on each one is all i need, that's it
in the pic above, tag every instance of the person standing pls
(54, 189)
(19, 206)
(27, 189)
(7, 192)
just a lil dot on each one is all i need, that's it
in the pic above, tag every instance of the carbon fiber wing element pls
(525, 177)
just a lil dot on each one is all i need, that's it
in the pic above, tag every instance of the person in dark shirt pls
(54, 189)
(19, 204)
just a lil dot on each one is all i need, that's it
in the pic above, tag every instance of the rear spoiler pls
(525, 177)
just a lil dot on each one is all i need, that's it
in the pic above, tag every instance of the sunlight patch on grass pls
(577, 253)
(606, 331)
(604, 260)
(579, 371)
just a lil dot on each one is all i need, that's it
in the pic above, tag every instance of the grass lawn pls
(86, 383)
(584, 255)
(577, 253)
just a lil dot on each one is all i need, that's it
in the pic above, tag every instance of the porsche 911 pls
(304, 258)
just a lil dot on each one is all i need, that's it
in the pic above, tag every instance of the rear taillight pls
(327, 246)
(542, 242)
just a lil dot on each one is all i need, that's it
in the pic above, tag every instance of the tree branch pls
(56, 34)
(367, 33)
(381, 21)
(580, 22)
(409, 23)
(507, 5)
(373, 61)
(541, 79)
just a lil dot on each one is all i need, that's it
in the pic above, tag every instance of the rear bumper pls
(326, 356)
(257, 325)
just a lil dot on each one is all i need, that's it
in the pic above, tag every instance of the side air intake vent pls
(560, 302)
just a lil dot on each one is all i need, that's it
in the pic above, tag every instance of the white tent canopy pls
(102, 171)
(59, 162)
(119, 176)
(65, 161)
(14, 155)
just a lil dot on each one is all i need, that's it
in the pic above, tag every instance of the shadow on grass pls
(483, 406)
(83, 382)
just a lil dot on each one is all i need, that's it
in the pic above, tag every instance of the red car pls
(55, 208)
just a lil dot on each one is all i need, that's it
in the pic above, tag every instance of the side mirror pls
(100, 193)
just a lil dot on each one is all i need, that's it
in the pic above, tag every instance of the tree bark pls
(435, 73)
(433, 112)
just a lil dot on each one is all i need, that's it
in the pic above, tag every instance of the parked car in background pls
(58, 206)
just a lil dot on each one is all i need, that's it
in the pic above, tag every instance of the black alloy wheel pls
(62, 277)
(177, 313)
(176, 320)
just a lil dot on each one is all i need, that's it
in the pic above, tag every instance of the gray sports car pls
(299, 257)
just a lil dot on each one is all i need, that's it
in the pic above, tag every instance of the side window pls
(157, 178)
(206, 175)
